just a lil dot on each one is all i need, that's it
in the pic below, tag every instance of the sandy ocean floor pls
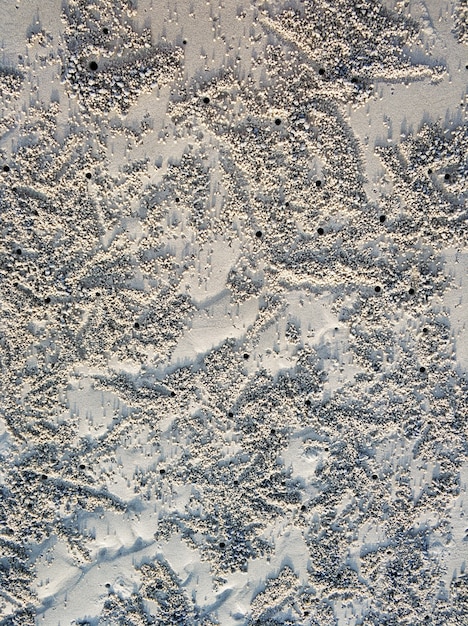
(234, 313)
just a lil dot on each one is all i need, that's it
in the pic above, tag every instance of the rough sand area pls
(233, 313)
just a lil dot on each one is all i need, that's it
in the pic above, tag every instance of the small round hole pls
(206, 100)
(273, 431)
(374, 476)
(88, 175)
(44, 476)
(162, 470)
(18, 251)
(105, 30)
(258, 234)
(6, 168)
(230, 414)
(382, 219)
(177, 199)
(308, 402)
(172, 394)
(354, 80)
(425, 330)
(429, 171)
(277, 121)
(286, 204)
(246, 356)
(82, 466)
(222, 544)
(321, 71)
(303, 507)
(422, 369)
(136, 325)
(93, 66)
(47, 300)
(318, 183)
(184, 42)
(320, 231)
(447, 176)
(411, 291)
(377, 289)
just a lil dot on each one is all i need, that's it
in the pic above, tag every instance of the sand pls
(234, 321)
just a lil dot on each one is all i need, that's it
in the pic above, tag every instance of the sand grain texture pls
(233, 328)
